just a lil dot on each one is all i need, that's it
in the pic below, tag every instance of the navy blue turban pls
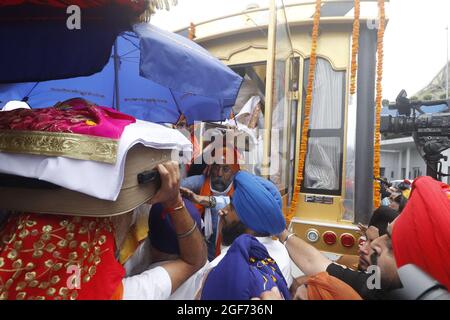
(245, 272)
(257, 202)
(161, 232)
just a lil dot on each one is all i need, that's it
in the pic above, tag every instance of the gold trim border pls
(70, 145)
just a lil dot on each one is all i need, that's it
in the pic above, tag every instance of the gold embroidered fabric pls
(70, 145)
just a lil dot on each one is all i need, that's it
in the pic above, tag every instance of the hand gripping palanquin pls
(80, 123)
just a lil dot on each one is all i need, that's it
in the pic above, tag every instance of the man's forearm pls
(193, 183)
(192, 246)
(307, 258)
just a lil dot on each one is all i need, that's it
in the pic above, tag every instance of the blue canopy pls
(120, 85)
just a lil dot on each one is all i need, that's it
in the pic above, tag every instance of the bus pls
(270, 46)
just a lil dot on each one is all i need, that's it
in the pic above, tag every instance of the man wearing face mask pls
(211, 192)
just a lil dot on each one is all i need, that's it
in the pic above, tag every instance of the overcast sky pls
(415, 41)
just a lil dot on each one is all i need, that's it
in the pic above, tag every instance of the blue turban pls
(257, 272)
(161, 232)
(257, 202)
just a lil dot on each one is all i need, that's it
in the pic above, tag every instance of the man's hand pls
(298, 282)
(273, 294)
(169, 193)
(195, 198)
(362, 229)
(193, 253)
(282, 236)
(188, 194)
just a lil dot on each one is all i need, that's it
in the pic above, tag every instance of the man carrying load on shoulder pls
(65, 257)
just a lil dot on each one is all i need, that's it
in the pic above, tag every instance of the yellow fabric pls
(406, 193)
(137, 234)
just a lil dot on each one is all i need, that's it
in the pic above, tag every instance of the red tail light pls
(348, 240)
(329, 237)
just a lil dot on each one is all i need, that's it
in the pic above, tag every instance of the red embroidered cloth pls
(58, 257)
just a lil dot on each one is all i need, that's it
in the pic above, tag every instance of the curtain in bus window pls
(327, 97)
(322, 170)
(323, 158)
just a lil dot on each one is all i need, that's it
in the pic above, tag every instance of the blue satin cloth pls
(245, 272)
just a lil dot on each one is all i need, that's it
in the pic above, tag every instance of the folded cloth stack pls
(140, 147)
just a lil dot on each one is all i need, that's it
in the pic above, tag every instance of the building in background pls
(400, 158)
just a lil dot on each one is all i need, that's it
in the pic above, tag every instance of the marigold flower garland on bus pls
(376, 162)
(355, 47)
(308, 104)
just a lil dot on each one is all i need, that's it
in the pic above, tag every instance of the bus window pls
(249, 112)
(323, 164)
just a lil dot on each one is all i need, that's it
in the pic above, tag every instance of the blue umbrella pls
(184, 66)
(120, 85)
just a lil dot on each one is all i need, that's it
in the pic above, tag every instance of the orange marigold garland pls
(355, 47)
(308, 104)
(376, 162)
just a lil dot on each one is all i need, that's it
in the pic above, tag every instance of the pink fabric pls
(72, 116)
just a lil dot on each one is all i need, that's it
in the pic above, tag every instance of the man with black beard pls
(255, 209)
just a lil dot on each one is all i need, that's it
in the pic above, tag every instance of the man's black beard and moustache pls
(374, 259)
(385, 285)
(218, 184)
(232, 231)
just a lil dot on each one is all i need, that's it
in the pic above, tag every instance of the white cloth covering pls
(100, 180)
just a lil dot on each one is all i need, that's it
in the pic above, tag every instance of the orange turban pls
(421, 234)
(322, 286)
(230, 157)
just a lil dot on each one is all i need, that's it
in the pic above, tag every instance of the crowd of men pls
(221, 234)
(244, 213)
